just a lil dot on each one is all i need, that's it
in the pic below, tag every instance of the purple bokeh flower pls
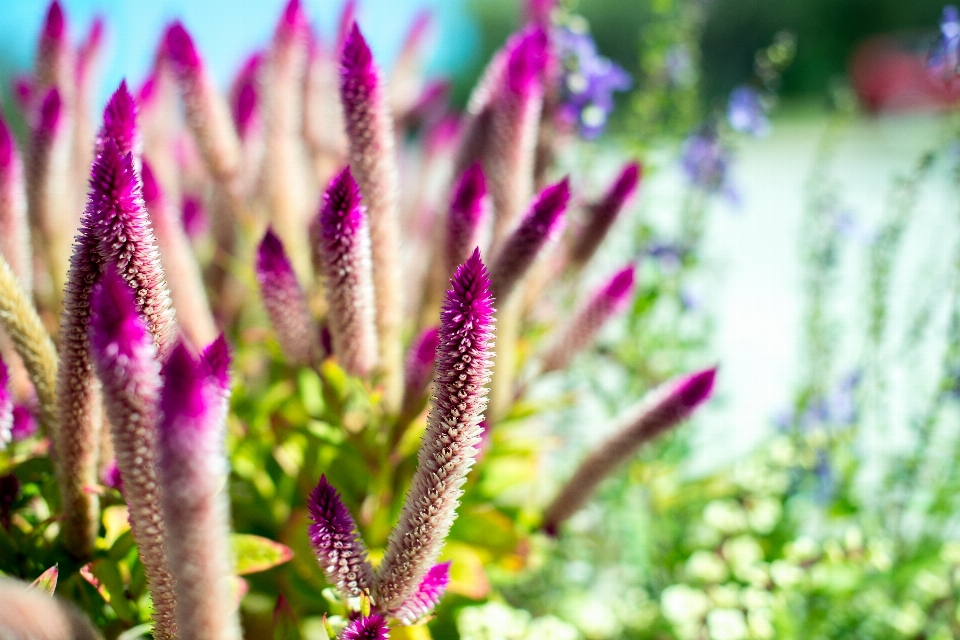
(336, 543)
(746, 111)
(706, 161)
(368, 628)
(588, 81)
(24, 423)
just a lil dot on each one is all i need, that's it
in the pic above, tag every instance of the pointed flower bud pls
(244, 97)
(603, 214)
(521, 249)
(342, 243)
(120, 123)
(664, 409)
(53, 66)
(6, 407)
(448, 448)
(192, 469)
(285, 303)
(431, 589)
(370, 136)
(367, 628)
(421, 364)
(335, 541)
(216, 363)
(14, 228)
(125, 359)
(467, 212)
(609, 300)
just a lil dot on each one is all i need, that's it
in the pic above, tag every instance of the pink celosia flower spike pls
(421, 361)
(664, 409)
(448, 448)
(602, 214)
(179, 263)
(216, 362)
(192, 470)
(88, 57)
(406, 81)
(372, 159)
(125, 359)
(431, 589)
(609, 300)
(335, 541)
(245, 99)
(6, 407)
(120, 124)
(509, 155)
(368, 628)
(54, 65)
(519, 251)
(285, 303)
(342, 244)
(14, 229)
(465, 221)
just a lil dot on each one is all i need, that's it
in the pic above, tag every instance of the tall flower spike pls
(335, 541)
(285, 303)
(666, 408)
(603, 214)
(609, 300)
(179, 263)
(509, 156)
(14, 229)
(448, 448)
(342, 244)
(192, 469)
(125, 359)
(467, 212)
(369, 628)
(518, 252)
(406, 80)
(87, 60)
(120, 123)
(54, 66)
(421, 364)
(245, 99)
(431, 589)
(373, 162)
(6, 406)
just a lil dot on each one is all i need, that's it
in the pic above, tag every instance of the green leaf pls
(47, 581)
(252, 554)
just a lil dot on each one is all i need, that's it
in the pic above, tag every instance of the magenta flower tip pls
(24, 423)
(420, 27)
(6, 406)
(428, 594)
(426, 346)
(23, 89)
(293, 16)
(625, 184)
(55, 23)
(471, 188)
(245, 95)
(356, 60)
(216, 362)
(272, 260)
(370, 628)
(111, 477)
(551, 203)
(6, 144)
(621, 284)
(120, 120)
(147, 90)
(469, 295)
(179, 46)
(195, 221)
(342, 214)
(115, 325)
(696, 388)
(50, 111)
(183, 392)
(333, 538)
(151, 188)
(526, 61)
(113, 183)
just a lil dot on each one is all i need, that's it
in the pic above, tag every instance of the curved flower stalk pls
(406, 79)
(342, 244)
(421, 364)
(48, 181)
(125, 359)
(372, 627)
(370, 139)
(285, 303)
(192, 467)
(449, 444)
(520, 250)
(666, 408)
(608, 301)
(336, 543)
(6, 406)
(509, 155)
(14, 229)
(284, 177)
(30, 613)
(179, 263)
(428, 594)
(602, 214)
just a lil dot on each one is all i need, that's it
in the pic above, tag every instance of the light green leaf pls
(252, 554)
(47, 581)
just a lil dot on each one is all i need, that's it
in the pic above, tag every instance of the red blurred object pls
(890, 76)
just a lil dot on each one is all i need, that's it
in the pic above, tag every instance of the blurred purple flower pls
(706, 161)
(588, 81)
(944, 59)
(746, 112)
(669, 256)
(24, 423)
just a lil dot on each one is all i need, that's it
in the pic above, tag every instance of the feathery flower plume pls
(431, 589)
(520, 250)
(125, 359)
(179, 263)
(334, 539)
(602, 214)
(449, 444)
(509, 155)
(31, 613)
(285, 303)
(207, 113)
(368, 628)
(14, 229)
(6, 406)
(421, 363)
(18, 317)
(370, 136)
(342, 245)
(120, 124)
(53, 65)
(467, 212)
(664, 409)
(48, 181)
(406, 80)
(192, 469)
(608, 301)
